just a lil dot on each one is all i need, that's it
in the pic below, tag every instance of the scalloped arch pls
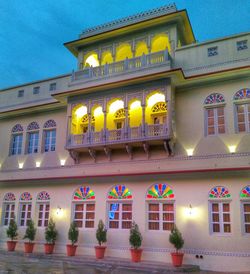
(17, 128)
(9, 197)
(49, 124)
(214, 98)
(219, 192)
(33, 125)
(242, 94)
(160, 191)
(83, 193)
(119, 192)
(25, 196)
(43, 196)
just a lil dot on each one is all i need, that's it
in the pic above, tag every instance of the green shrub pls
(30, 232)
(12, 230)
(101, 233)
(51, 232)
(73, 233)
(175, 238)
(135, 237)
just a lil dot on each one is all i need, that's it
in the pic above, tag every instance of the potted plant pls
(101, 236)
(73, 237)
(135, 240)
(30, 234)
(176, 239)
(12, 234)
(50, 237)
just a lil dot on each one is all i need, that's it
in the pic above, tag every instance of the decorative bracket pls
(168, 145)
(74, 155)
(146, 148)
(92, 153)
(129, 151)
(107, 151)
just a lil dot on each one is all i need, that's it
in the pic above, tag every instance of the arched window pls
(123, 51)
(160, 207)
(214, 114)
(119, 204)
(33, 137)
(43, 203)
(245, 209)
(8, 208)
(25, 207)
(84, 207)
(242, 108)
(16, 140)
(219, 207)
(49, 136)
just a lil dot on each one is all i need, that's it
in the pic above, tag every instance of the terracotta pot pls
(99, 251)
(136, 254)
(11, 245)
(49, 248)
(177, 259)
(28, 247)
(71, 250)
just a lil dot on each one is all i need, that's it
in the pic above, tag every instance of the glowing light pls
(20, 165)
(190, 212)
(190, 152)
(135, 104)
(232, 149)
(155, 98)
(62, 161)
(98, 111)
(38, 164)
(92, 61)
(118, 104)
(59, 211)
(81, 111)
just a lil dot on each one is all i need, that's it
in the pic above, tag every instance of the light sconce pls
(38, 164)
(190, 152)
(62, 161)
(59, 211)
(20, 165)
(190, 210)
(232, 149)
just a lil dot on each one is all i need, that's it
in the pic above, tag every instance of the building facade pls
(152, 127)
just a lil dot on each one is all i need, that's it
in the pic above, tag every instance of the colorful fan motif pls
(26, 196)
(84, 193)
(219, 192)
(9, 197)
(214, 98)
(160, 191)
(242, 94)
(43, 196)
(120, 192)
(245, 192)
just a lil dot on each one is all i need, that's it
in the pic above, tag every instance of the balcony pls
(145, 63)
(156, 134)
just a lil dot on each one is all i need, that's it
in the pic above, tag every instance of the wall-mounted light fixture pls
(232, 149)
(59, 211)
(38, 164)
(62, 162)
(20, 165)
(190, 152)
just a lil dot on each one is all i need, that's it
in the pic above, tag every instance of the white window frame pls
(246, 120)
(160, 221)
(84, 211)
(214, 108)
(34, 146)
(221, 222)
(17, 150)
(10, 211)
(47, 148)
(243, 223)
(120, 220)
(26, 219)
(43, 211)
(52, 86)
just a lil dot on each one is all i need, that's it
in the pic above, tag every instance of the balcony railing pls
(128, 65)
(123, 135)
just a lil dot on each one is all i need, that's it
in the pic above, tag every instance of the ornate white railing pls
(141, 133)
(133, 64)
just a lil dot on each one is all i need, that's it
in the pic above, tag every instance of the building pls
(152, 126)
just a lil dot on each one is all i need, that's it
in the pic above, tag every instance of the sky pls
(32, 32)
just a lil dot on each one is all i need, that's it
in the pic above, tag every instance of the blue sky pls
(33, 32)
